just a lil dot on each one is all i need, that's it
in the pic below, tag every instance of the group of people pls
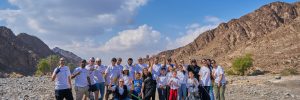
(172, 80)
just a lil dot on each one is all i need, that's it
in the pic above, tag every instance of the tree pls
(242, 64)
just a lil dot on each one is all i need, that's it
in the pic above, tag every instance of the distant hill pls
(20, 53)
(271, 34)
(69, 55)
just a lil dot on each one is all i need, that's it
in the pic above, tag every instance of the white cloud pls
(143, 36)
(193, 31)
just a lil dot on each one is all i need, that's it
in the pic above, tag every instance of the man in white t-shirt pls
(141, 63)
(62, 77)
(112, 75)
(119, 65)
(92, 78)
(220, 81)
(99, 73)
(81, 83)
(132, 69)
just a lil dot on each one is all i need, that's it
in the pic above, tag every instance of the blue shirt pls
(138, 85)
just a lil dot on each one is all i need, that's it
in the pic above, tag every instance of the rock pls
(278, 77)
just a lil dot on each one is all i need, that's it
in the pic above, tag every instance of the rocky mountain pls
(271, 34)
(21, 53)
(69, 55)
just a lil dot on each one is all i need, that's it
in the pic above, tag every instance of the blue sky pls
(120, 28)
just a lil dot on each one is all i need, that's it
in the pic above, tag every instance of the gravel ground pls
(264, 87)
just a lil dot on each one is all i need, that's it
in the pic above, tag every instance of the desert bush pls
(289, 71)
(242, 64)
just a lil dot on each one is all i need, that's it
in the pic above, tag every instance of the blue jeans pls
(101, 87)
(211, 93)
(162, 93)
(182, 91)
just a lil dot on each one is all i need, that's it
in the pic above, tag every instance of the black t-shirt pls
(195, 70)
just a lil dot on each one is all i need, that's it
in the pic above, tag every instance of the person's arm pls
(176, 64)
(143, 85)
(150, 66)
(70, 82)
(75, 74)
(56, 71)
(165, 61)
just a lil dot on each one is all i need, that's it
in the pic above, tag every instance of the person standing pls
(141, 63)
(119, 62)
(137, 86)
(192, 84)
(148, 87)
(205, 80)
(161, 84)
(182, 75)
(99, 73)
(81, 83)
(62, 77)
(220, 81)
(132, 68)
(92, 78)
(174, 86)
(112, 74)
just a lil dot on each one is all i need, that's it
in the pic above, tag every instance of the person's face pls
(191, 74)
(62, 61)
(169, 61)
(113, 62)
(213, 64)
(145, 71)
(162, 72)
(121, 82)
(138, 75)
(129, 62)
(140, 61)
(83, 64)
(180, 67)
(170, 68)
(98, 62)
(174, 74)
(156, 60)
(204, 62)
(119, 61)
(126, 71)
(92, 62)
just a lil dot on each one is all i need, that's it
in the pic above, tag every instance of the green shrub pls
(242, 64)
(42, 67)
(289, 71)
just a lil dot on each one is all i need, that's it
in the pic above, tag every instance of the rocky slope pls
(271, 34)
(20, 53)
(69, 55)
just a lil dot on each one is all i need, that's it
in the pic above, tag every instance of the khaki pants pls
(80, 91)
(219, 91)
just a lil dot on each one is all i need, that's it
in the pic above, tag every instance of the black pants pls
(204, 92)
(63, 93)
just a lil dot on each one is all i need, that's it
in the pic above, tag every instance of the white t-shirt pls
(156, 71)
(99, 72)
(217, 72)
(112, 74)
(91, 69)
(192, 85)
(174, 83)
(133, 69)
(120, 68)
(61, 80)
(162, 81)
(205, 76)
(142, 66)
(182, 77)
(81, 79)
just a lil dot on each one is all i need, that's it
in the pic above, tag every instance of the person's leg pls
(79, 92)
(68, 94)
(101, 88)
(159, 90)
(58, 95)
(107, 93)
(207, 97)
(216, 91)
(184, 91)
(222, 92)
(211, 93)
(154, 91)
(180, 92)
(167, 92)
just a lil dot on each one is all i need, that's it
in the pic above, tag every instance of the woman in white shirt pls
(220, 81)
(182, 76)
(205, 80)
